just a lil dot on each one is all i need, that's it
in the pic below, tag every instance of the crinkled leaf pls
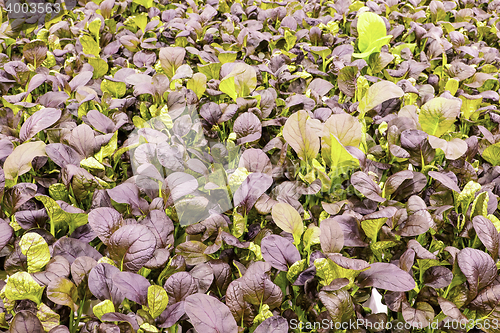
(25, 322)
(36, 249)
(22, 286)
(478, 267)
(132, 246)
(102, 308)
(157, 300)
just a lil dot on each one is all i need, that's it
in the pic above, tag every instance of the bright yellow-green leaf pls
(256, 250)
(225, 57)
(300, 135)
(288, 219)
(22, 286)
(211, 71)
(19, 161)
(100, 67)
(452, 86)
(109, 149)
(106, 260)
(47, 317)
(36, 249)
(94, 27)
(492, 154)
(327, 271)
(198, 84)
(311, 236)
(438, 115)
(337, 157)
(60, 218)
(102, 308)
(465, 197)
(240, 82)
(157, 300)
(372, 227)
(117, 89)
(90, 46)
(146, 3)
(494, 220)
(92, 163)
(480, 205)
(297, 268)
(141, 20)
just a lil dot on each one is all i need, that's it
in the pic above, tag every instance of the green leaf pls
(91, 163)
(47, 317)
(452, 86)
(22, 286)
(157, 300)
(239, 224)
(109, 149)
(36, 249)
(95, 27)
(225, 57)
(465, 197)
(240, 82)
(146, 3)
(372, 227)
(100, 67)
(301, 136)
(58, 191)
(372, 34)
(311, 237)
(480, 205)
(297, 268)
(141, 20)
(19, 161)
(494, 220)
(327, 271)
(211, 71)
(378, 248)
(290, 40)
(492, 154)
(438, 115)
(117, 89)
(102, 308)
(288, 219)
(90, 46)
(337, 157)
(61, 219)
(198, 84)
(377, 94)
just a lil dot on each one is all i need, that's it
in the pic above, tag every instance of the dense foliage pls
(245, 166)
